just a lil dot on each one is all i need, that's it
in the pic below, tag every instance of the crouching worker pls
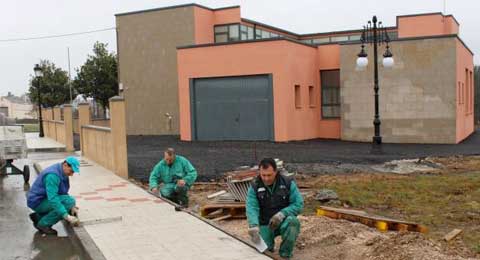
(49, 198)
(177, 175)
(273, 203)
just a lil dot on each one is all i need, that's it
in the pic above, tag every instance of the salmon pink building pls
(209, 74)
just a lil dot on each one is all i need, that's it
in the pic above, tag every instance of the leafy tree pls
(97, 77)
(54, 89)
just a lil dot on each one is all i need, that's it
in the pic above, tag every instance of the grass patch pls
(441, 202)
(31, 128)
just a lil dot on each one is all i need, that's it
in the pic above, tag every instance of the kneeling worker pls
(273, 203)
(177, 175)
(49, 197)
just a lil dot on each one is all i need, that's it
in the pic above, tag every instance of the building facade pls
(222, 77)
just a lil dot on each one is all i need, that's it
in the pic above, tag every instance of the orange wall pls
(426, 25)
(206, 19)
(290, 64)
(465, 120)
(230, 15)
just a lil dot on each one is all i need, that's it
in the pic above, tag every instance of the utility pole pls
(69, 76)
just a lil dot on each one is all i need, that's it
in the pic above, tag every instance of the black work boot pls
(47, 230)
(34, 217)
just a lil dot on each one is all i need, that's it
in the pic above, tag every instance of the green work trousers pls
(176, 194)
(288, 230)
(48, 215)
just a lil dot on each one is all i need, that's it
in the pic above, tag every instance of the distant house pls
(17, 107)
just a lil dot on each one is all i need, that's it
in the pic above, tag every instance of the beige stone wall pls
(147, 44)
(417, 96)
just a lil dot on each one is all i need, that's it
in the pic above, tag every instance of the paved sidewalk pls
(44, 144)
(126, 222)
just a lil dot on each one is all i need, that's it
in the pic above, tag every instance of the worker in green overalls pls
(177, 175)
(273, 203)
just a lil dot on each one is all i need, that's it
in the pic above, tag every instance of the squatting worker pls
(49, 198)
(273, 203)
(177, 175)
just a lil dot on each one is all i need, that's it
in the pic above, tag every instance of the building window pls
(459, 95)
(311, 96)
(227, 33)
(330, 80)
(463, 93)
(471, 91)
(298, 98)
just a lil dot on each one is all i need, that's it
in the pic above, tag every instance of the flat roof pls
(177, 6)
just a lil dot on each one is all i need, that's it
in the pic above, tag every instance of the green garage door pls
(232, 108)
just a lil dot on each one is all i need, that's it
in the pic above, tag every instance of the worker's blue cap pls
(74, 163)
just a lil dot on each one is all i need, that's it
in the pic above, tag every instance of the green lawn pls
(441, 202)
(30, 128)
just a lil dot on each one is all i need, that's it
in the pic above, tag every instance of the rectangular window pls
(258, 33)
(298, 98)
(463, 93)
(321, 40)
(467, 92)
(339, 39)
(233, 33)
(308, 41)
(311, 96)
(250, 33)
(355, 37)
(472, 96)
(265, 34)
(459, 95)
(330, 85)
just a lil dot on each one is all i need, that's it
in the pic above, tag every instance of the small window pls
(265, 34)
(221, 38)
(463, 93)
(234, 33)
(459, 96)
(321, 40)
(221, 29)
(354, 37)
(307, 41)
(250, 33)
(339, 38)
(330, 80)
(298, 98)
(258, 33)
(311, 96)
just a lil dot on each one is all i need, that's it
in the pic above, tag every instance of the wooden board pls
(235, 210)
(379, 222)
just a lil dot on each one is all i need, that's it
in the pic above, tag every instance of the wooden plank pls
(211, 196)
(381, 223)
(222, 217)
(453, 234)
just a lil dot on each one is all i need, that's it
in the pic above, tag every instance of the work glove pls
(74, 211)
(74, 221)
(276, 220)
(254, 233)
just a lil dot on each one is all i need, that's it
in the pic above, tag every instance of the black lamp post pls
(38, 75)
(375, 35)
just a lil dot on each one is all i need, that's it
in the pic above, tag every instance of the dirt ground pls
(325, 238)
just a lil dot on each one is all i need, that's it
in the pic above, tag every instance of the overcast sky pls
(26, 19)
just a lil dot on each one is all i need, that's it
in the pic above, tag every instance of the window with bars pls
(330, 82)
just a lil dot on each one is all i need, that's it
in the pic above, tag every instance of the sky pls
(29, 19)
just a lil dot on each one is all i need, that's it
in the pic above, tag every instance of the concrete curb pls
(47, 150)
(79, 236)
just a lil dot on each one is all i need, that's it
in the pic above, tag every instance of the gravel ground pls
(211, 159)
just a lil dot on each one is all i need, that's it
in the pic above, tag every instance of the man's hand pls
(74, 221)
(276, 220)
(180, 183)
(74, 211)
(254, 233)
(154, 190)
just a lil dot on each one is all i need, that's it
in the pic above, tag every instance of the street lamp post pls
(375, 34)
(38, 75)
